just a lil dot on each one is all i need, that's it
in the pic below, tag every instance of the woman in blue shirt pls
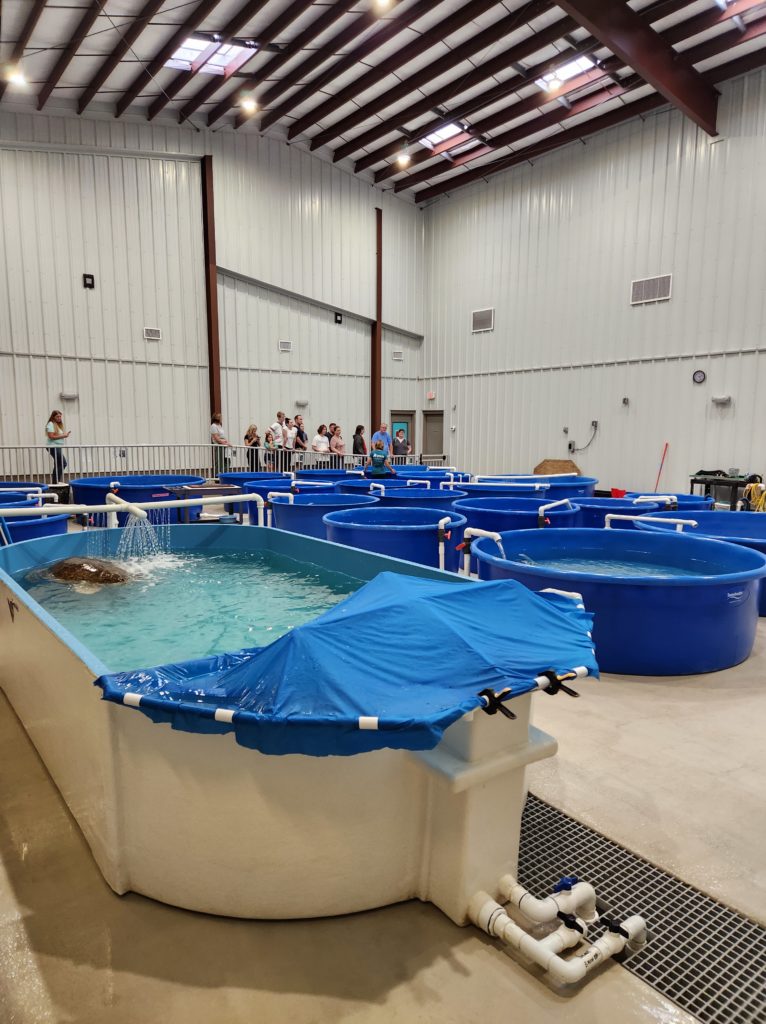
(379, 462)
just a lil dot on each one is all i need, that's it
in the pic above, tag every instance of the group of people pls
(276, 450)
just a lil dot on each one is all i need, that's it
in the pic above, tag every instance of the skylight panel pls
(556, 78)
(447, 131)
(190, 51)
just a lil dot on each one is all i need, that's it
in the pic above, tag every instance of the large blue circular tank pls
(685, 501)
(19, 530)
(237, 479)
(409, 533)
(662, 605)
(322, 474)
(421, 497)
(593, 511)
(569, 485)
(507, 489)
(94, 489)
(498, 514)
(306, 512)
(746, 528)
(362, 485)
(16, 498)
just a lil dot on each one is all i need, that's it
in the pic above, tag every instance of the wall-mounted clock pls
(699, 376)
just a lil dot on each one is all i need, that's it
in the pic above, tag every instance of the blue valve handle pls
(565, 884)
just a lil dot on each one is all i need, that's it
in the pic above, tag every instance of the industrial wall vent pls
(397, 356)
(482, 320)
(285, 346)
(152, 334)
(650, 289)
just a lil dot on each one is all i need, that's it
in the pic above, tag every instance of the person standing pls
(55, 436)
(301, 439)
(382, 435)
(338, 446)
(220, 444)
(320, 444)
(359, 443)
(252, 443)
(291, 435)
(277, 429)
(401, 444)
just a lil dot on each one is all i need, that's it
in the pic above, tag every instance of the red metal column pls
(376, 344)
(211, 285)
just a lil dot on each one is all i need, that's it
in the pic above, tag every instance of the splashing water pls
(139, 540)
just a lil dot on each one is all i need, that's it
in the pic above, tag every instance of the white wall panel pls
(136, 225)
(554, 247)
(328, 367)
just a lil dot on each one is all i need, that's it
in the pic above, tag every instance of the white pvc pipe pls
(669, 499)
(378, 487)
(115, 499)
(273, 494)
(472, 531)
(579, 673)
(442, 527)
(420, 483)
(678, 523)
(488, 915)
(75, 510)
(509, 485)
(579, 900)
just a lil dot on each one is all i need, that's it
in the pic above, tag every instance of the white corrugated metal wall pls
(283, 217)
(135, 224)
(554, 247)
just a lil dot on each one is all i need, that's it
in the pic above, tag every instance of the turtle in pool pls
(88, 570)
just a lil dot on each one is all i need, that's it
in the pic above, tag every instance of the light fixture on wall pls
(721, 399)
(248, 105)
(301, 403)
(69, 396)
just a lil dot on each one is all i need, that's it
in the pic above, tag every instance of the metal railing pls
(36, 463)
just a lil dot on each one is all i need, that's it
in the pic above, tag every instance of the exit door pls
(433, 433)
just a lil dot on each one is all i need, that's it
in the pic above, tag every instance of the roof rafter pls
(388, 31)
(434, 101)
(296, 8)
(198, 15)
(129, 36)
(26, 34)
(86, 23)
(510, 23)
(457, 20)
(721, 73)
(624, 32)
(678, 32)
(227, 34)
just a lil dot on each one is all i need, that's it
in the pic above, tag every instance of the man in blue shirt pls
(384, 436)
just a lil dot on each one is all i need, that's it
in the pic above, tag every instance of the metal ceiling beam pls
(436, 100)
(487, 124)
(549, 120)
(597, 124)
(280, 23)
(460, 53)
(708, 19)
(624, 32)
(388, 31)
(654, 12)
(83, 28)
(146, 76)
(740, 65)
(455, 21)
(322, 23)
(129, 36)
(243, 17)
(26, 34)
(318, 57)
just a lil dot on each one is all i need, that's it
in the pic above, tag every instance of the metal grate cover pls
(701, 954)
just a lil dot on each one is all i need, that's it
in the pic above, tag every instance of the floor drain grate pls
(704, 956)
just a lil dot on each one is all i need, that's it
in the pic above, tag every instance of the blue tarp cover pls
(412, 653)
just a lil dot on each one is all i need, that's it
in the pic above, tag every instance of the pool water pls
(182, 606)
(612, 567)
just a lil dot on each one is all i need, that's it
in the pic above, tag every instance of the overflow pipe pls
(580, 899)
(115, 499)
(473, 531)
(273, 494)
(76, 510)
(442, 528)
(678, 523)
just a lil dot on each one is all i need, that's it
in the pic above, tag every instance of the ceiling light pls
(404, 159)
(249, 106)
(553, 83)
(382, 5)
(16, 76)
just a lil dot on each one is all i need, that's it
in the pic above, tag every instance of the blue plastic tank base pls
(650, 624)
(407, 533)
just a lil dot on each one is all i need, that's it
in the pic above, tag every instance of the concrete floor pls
(673, 769)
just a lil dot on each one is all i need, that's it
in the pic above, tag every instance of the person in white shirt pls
(277, 429)
(290, 432)
(321, 442)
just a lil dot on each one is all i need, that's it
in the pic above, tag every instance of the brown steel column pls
(376, 355)
(211, 285)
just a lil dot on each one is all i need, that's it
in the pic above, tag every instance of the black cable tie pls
(613, 926)
(570, 921)
(493, 703)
